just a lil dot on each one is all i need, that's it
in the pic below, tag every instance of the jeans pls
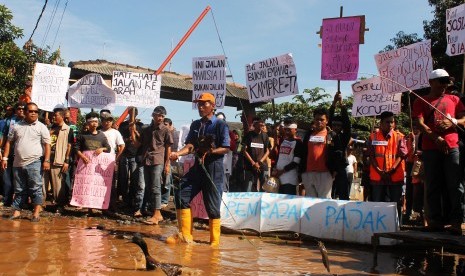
(166, 191)
(28, 182)
(196, 180)
(152, 195)
(443, 180)
(127, 178)
(388, 193)
(8, 188)
(137, 188)
(252, 178)
(341, 185)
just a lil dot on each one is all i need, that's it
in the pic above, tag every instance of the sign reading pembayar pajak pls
(271, 78)
(369, 100)
(209, 75)
(136, 89)
(406, 68)
(91, 91)
(49, 86)
(455, 30)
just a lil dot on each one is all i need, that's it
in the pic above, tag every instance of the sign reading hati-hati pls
(455, 30)
(406, 68)
(91, 91)
(136, 89)
(271, 78)
(49, 86)
(369, 100)
(209, 75)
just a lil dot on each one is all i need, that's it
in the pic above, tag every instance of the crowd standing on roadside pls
(40, 153)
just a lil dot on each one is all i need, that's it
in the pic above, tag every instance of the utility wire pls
(50, 23)
(38, 19)
(59, 25)
(227, 63)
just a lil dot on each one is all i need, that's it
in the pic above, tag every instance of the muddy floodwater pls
(73, 245)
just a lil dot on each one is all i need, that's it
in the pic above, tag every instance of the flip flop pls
(35, 219)
(14, 217)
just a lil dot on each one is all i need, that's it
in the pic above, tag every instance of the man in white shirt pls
(352, 167)
(116, 141)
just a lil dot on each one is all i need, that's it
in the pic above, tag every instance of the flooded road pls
(64, 245)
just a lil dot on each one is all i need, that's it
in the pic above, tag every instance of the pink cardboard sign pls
(92, 182)
(340, 44)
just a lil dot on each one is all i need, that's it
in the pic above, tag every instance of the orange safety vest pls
(385, 155)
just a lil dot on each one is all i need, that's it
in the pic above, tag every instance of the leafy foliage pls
(16, 64)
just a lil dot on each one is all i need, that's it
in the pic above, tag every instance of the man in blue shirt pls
(208, 139)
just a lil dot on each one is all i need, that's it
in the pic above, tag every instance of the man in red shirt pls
(441, 153)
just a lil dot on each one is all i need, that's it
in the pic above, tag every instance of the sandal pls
(150, 222)
(35, 219)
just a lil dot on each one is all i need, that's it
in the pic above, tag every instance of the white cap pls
(438, 73)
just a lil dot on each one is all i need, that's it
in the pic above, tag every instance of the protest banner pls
(92, 182)
(91, 91)
(320, 218)
(340, 48)
(369, 100)
(49, 86)
(455, 30)
(271, 78)
(136, 89)
(209, 75)
(406, 68)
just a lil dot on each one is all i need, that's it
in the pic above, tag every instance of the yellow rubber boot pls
(215, 231)
(185, 227)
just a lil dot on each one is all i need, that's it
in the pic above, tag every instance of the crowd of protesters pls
(422, 171)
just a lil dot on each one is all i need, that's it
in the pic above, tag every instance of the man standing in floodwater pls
(208, 138)
(31, 141)
(440, 148)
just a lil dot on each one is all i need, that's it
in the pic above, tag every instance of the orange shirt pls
(316, 156)
(24, 98)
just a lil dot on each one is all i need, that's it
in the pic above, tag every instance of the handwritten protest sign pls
(92, 182)
(455, 30)
(320, 218)
(405, 68)
(340, 48)
(136, 89)
(49, 86)
(369, 100)
(271, 78)
(91, 91)
(209, 75)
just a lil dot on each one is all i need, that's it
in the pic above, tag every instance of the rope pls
(59, 24)
(50, 22)
(229, 67)
(224, 203)
(38, 19)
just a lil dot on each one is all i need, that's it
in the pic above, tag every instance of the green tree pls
(16, 64)
(436, 31)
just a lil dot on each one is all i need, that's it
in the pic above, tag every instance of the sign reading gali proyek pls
(455, 30)
(49, 86)
(209, 75)
(369, 100)
(91, 91)
(271, 78)
(136, 89)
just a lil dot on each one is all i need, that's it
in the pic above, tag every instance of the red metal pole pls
(184, 38)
